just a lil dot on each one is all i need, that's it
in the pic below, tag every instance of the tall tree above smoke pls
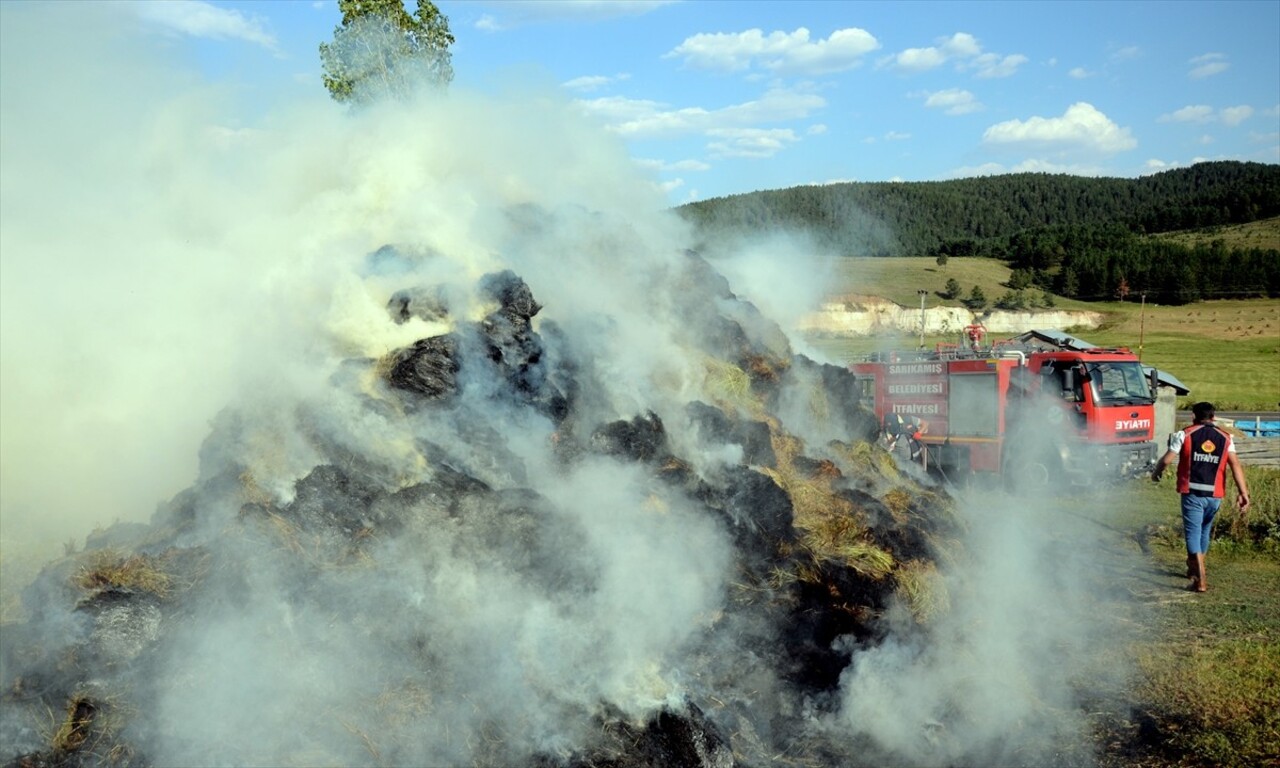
(381, 50)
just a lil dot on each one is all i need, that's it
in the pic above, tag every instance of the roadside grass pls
(1207, 691)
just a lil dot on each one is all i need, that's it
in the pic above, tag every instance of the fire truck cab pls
(1019, 409)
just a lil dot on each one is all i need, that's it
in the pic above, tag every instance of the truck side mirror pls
(1068, 381)
(1155, 383)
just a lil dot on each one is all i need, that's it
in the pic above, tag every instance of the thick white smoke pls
(1035, 614)
(164, 258)
(160, 265)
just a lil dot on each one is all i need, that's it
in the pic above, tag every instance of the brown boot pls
(1202, 581)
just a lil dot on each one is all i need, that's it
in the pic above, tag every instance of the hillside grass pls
(1255, 234)
(898, 278)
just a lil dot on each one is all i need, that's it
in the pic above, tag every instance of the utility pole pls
(924, 293)
(1142, 325)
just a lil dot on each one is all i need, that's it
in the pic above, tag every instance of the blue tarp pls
(1258, 428)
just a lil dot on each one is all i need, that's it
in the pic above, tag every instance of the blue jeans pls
(1198, 513)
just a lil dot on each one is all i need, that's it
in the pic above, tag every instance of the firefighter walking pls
(1203, 453)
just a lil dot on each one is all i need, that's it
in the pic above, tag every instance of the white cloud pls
(649, 119)
(781, 52)
(961, 48)
(953, 101)
(817, 129)
(961, 44)
(514, 13)
(750, 142)
(1155, 164)
(1205, 139)
(592, 82)
(986, 169)
(1079, 73)
(1198, 113)
(896, 136)
(1082, 127)
(201, 19)
(1030, 165)
(989, 65)
(1235, 115)
(679, 165)
(1202, 113)
(1126, 53)
(1207, 65)
(919, 59)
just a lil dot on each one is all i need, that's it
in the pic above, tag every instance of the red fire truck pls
(1024, 408)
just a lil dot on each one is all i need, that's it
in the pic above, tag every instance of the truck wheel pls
(1030, 473)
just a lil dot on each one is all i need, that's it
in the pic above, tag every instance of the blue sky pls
(720, 97)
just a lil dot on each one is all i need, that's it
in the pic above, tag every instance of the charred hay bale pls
(684, 737)
(327, 498)
(702, 279)
(841, 395)
(514, 298)
(816, 468)
(759, 514)
(424, 303)
(716, 427)
(438, 496)
(428, 367)
(902, 523)
(643, 438)
(517, 530)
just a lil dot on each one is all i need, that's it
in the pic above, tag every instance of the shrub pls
(977, 299)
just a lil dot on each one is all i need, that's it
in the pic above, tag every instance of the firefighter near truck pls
(1033, 414)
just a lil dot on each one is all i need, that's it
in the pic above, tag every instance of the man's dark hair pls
(1202, 411)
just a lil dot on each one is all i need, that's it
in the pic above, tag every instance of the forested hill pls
(1084, 238)
(924, 218)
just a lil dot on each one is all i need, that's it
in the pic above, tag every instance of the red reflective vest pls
(1202, 465)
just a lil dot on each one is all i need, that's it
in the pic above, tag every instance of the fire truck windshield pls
(1119, 383)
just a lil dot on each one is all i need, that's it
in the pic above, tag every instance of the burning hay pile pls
(514, 541)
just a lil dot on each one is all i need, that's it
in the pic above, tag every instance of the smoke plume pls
(451, 452)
